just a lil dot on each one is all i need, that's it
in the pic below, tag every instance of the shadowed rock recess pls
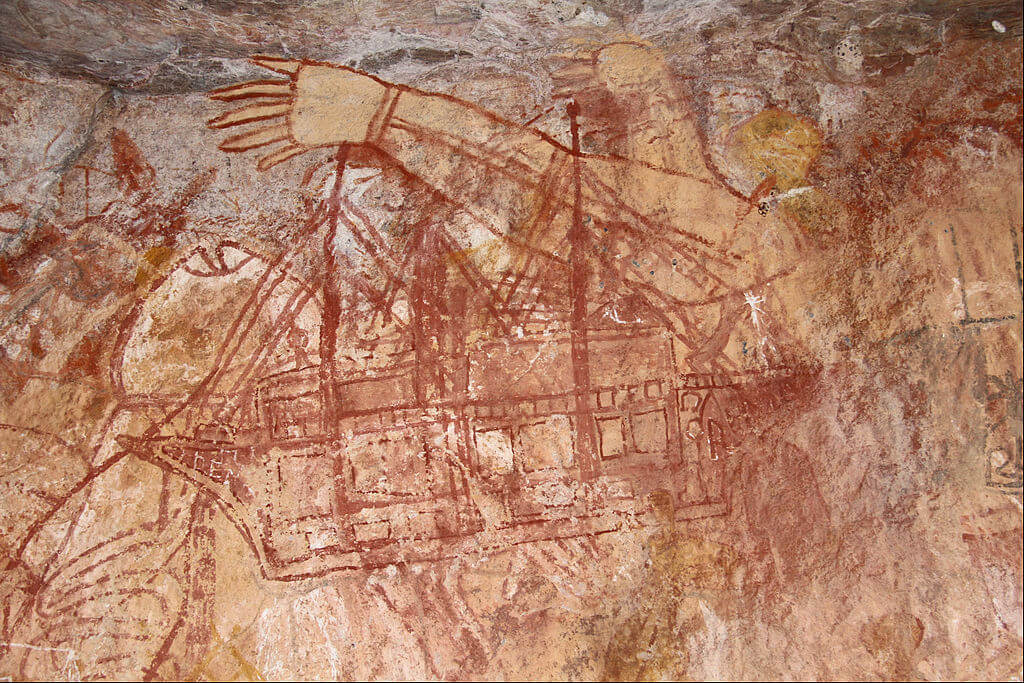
(543, 339)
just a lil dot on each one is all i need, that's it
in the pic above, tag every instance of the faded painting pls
(542, 340)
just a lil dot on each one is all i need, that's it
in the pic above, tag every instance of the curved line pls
(38, 524)
(38, 432)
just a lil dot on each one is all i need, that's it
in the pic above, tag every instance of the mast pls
(332, 302)
(427, 290)
(579, 243)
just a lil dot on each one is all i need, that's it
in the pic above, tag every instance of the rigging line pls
(257, 363)
(632, 248)
(524, 172)
(394, 283)
(666, 248)
(394, 278)
(447, 197)
(392, 289)
(359, 282)
(385, 300)
(470, 272)
(618, 158)
(688, 273)
(552, 181)
(282, 260)
(602, 189)
(646, 291)
(361, 238)
(225, 356)
(377, 239)
(493, 144)
(551, 174)
(534, 302)
(504, 162)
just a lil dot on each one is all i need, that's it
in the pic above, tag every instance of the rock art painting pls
(541, 339)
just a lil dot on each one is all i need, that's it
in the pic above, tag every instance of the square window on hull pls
(650, 434)
(546, 444)
(494, 450)
(610, 433)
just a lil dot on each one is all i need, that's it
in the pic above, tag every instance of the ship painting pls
(557, 396)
